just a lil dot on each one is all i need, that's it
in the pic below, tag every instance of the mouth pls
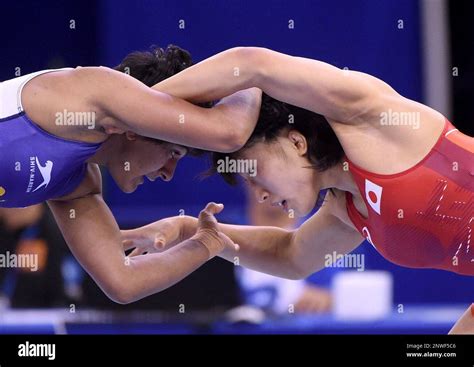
(282, 204)
(151, 179)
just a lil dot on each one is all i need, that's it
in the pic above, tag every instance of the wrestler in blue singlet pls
(35, 165)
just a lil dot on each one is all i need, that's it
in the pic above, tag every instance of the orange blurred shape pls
(33, 247)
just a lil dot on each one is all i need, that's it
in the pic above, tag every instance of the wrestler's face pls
(137, 158)
(283, 176)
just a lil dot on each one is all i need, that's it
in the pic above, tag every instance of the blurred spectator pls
(32, 232)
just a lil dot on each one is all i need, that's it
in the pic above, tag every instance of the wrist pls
(187, 227)
(126, 233)
(210, 239)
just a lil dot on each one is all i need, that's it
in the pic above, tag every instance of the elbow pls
(237, 129)
(121, 298)
(302, 268)
(296, 271)
(300, 273)
(235, 140)
(281, 257)
(230, 138)
(118, 291)
(297, 267)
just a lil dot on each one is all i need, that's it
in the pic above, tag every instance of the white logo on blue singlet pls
(45, 172)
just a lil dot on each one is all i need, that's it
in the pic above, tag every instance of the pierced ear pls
(299, 141)
(131, 135)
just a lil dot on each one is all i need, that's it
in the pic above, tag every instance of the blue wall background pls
(362, 35)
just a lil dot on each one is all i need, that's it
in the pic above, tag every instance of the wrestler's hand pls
(208, 232)
(313, 300)
(154, 237)
(166, 233)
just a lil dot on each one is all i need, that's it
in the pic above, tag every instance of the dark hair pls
(324, 149)
(156, 65)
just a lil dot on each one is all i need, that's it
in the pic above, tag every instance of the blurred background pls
(423, 49)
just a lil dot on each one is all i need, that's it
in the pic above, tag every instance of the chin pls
(301, 213)
(128, 189)
(304, 211)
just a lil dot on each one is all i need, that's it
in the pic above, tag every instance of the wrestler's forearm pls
(465, 325)
(99, 250)
(341, 95)
(265, 249)
(214, 78)
(146, 275)
(239, 105)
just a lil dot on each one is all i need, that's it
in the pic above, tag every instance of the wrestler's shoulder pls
(337, 206)
(90, 185)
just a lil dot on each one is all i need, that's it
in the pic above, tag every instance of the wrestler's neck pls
(107, 150)
(336, 177)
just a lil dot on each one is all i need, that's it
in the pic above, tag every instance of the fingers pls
(206, 216)
(313, 300)
(228, 242)
(212, 208)
(160, 242)
(136, 252)
(127, 244)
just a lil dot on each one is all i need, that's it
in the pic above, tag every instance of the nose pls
(166, 172)
(261, 195)
(180, 150)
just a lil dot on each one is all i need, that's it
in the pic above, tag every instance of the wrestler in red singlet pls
(423, 217)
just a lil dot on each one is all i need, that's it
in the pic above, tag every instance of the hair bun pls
(155, 65)
(177, 55)
(173, 56)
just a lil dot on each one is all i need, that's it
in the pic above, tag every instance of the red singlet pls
(423, 217)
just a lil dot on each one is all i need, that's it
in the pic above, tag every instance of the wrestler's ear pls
(299, 141)
(130, 135)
